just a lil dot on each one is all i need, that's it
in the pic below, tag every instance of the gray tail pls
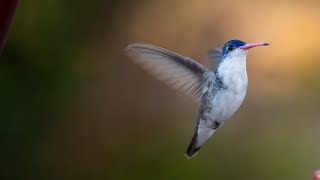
(193, 148)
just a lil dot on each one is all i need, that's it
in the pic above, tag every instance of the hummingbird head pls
(233, 46)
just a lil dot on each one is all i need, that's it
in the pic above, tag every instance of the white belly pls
(233, 74)
(225, 104)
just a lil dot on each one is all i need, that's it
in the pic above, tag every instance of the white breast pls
(233, 74)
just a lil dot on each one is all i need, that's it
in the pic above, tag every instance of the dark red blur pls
(316, 175)
(7, 9)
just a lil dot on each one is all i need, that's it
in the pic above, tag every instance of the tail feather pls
(202, 133)
(193, 147)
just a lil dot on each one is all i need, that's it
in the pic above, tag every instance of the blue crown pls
(230, 46)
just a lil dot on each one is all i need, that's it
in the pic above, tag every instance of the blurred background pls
(73, 106)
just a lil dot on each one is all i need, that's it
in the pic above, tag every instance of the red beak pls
(249, 46)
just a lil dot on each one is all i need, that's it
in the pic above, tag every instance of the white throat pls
(233, 72)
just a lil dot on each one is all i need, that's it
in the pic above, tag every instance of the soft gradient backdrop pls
(73, 106)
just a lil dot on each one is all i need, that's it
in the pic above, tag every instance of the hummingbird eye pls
(230, 48)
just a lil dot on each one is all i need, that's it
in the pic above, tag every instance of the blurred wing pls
(214, 58)
(179, 72)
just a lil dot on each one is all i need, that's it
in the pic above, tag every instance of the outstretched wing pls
(214, 58)
(179, 72)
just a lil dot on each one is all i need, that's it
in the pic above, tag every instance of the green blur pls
(73, 106)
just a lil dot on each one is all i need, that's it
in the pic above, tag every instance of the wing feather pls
(214, 58)
(178, 72)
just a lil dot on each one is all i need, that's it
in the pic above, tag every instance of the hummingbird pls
(219, 89)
